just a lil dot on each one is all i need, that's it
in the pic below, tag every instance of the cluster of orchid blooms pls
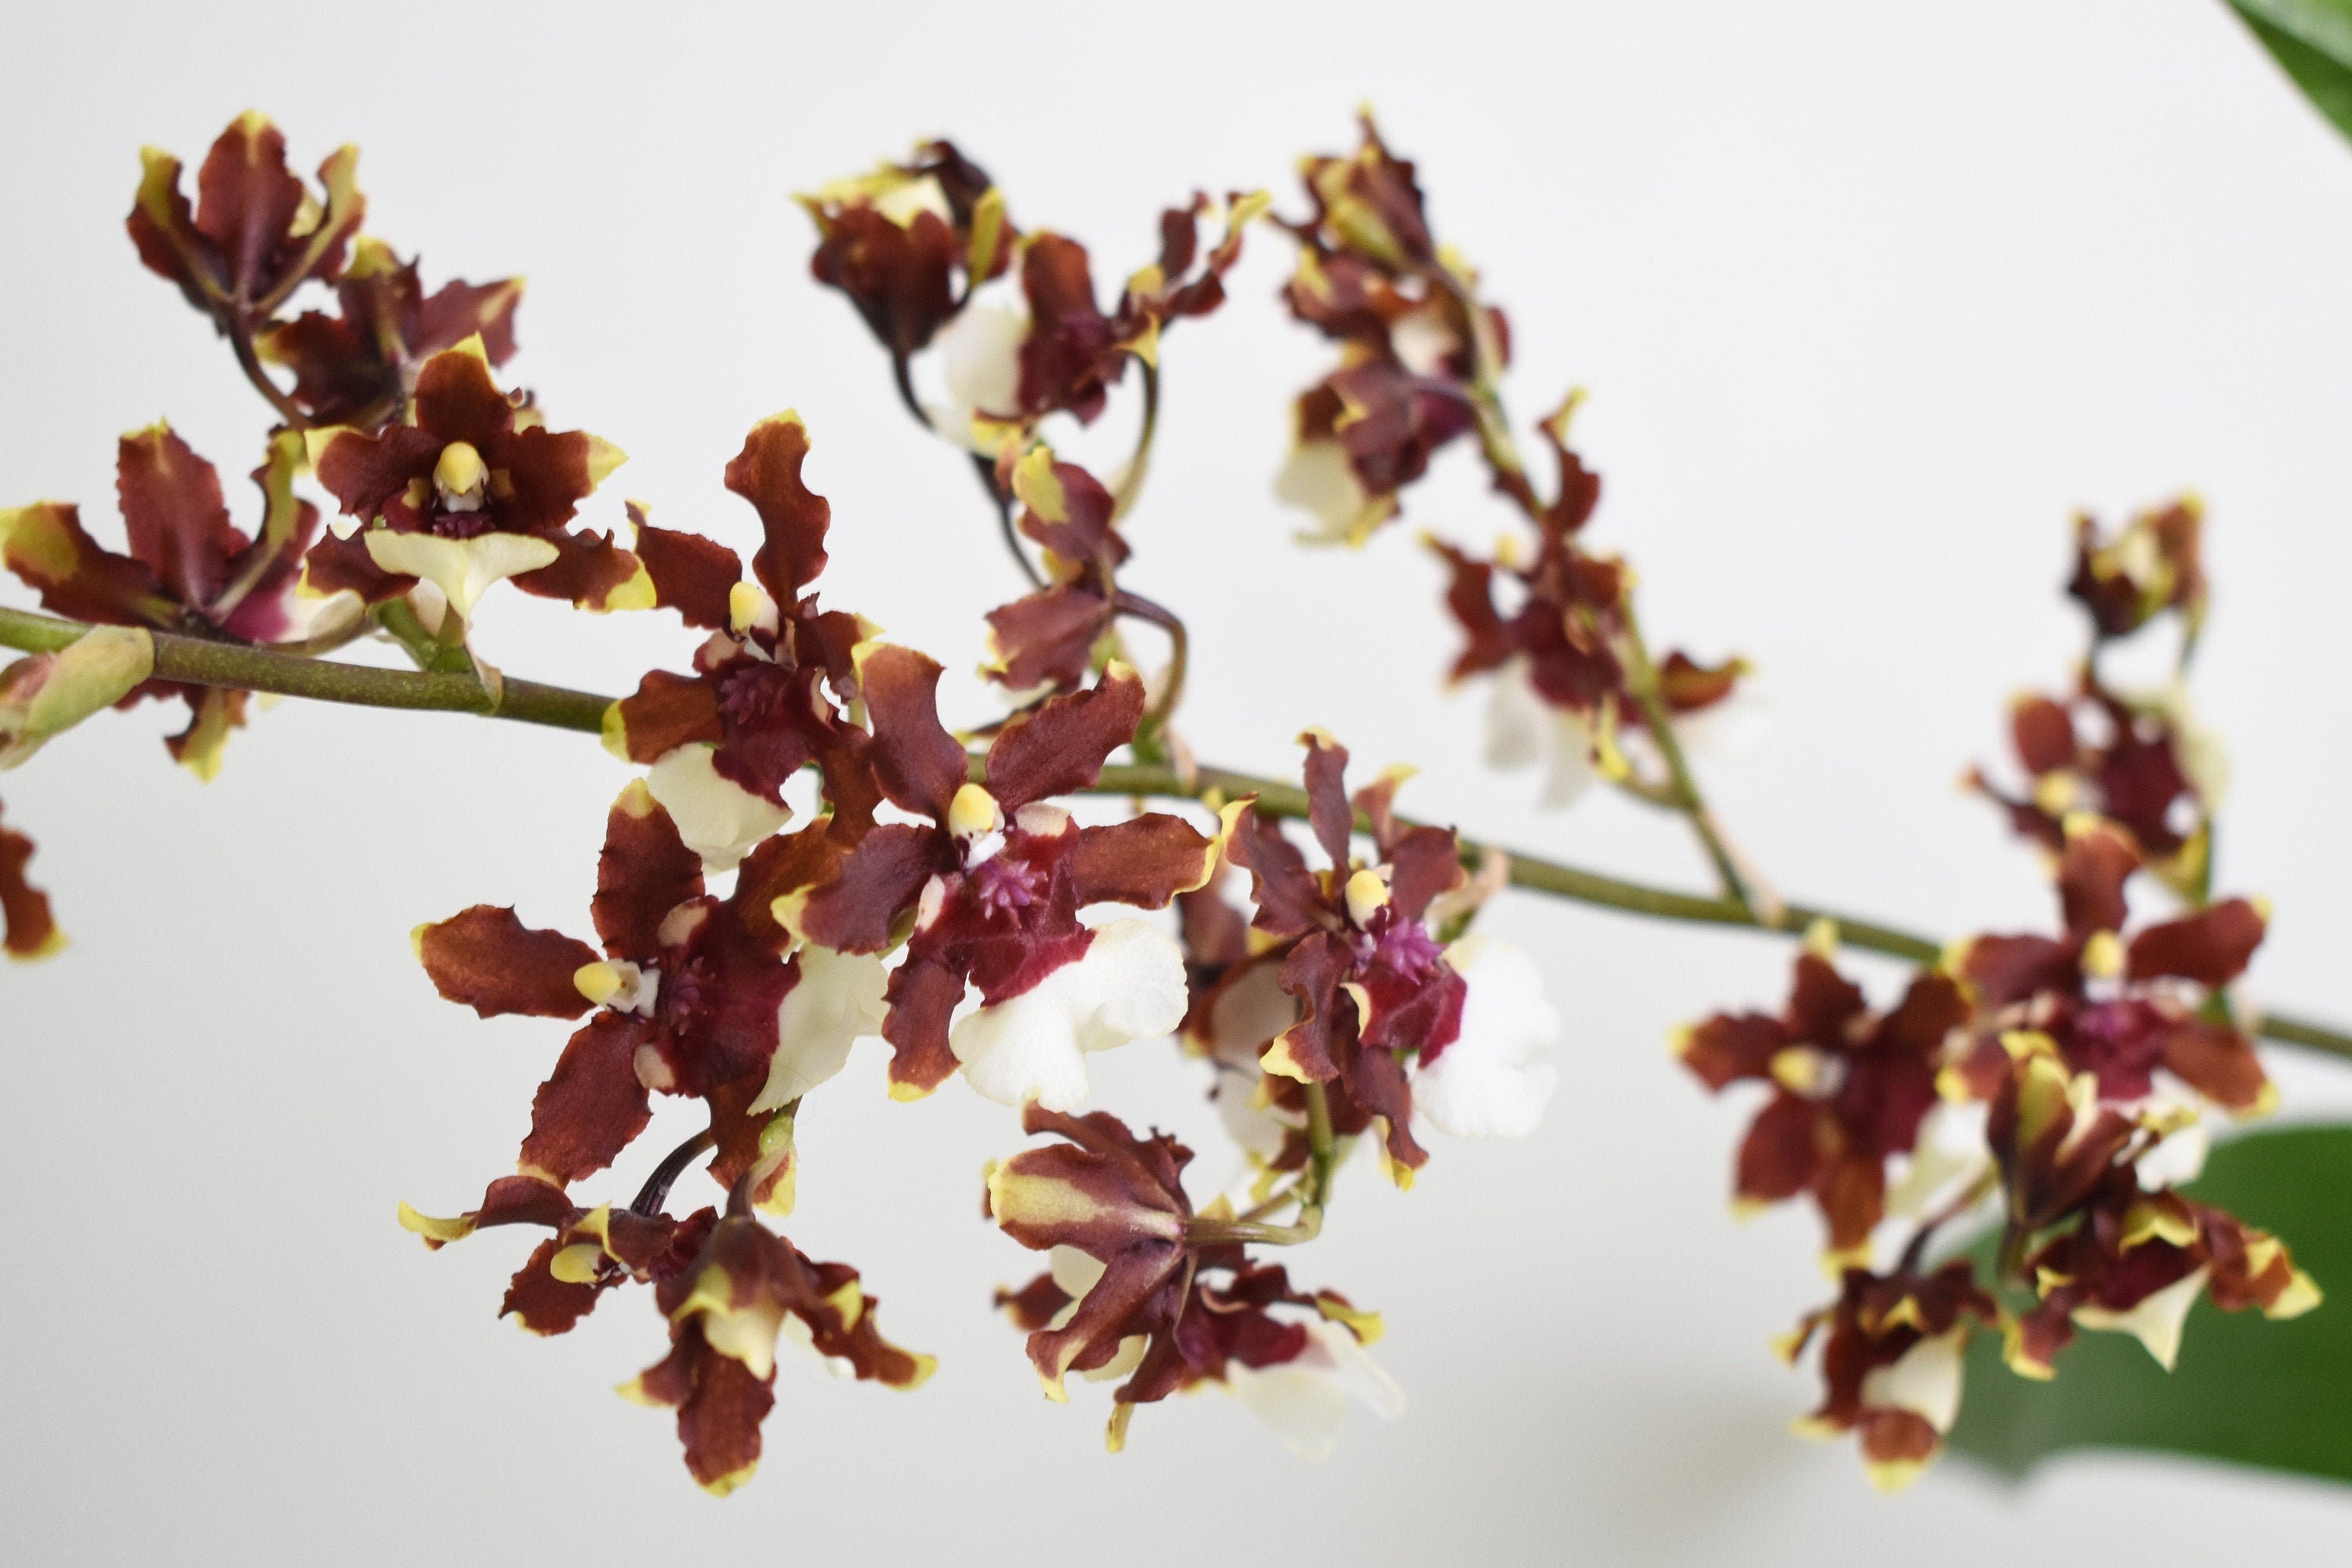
(934, 893)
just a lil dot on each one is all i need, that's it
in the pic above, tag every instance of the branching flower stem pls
(202, 662)
(1642, 680)
(240, 338)
(902, 377)
(1509, 468)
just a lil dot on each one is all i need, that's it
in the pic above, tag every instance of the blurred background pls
(1868, 300)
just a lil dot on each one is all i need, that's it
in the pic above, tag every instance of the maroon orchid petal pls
(720, 1405)
(457, 400)
(1850, 1190)
(1377, 1081)
(2042, 733)
(1470, 598)
(458, 311)
(1782, 1151)
(44, 545)
(1216, 934)
(922, 996)
(1412, 1012)
(664, 713)
(1074, 517)
(163, 228)
(341, 375)
(721, 988)
(1933, 1005)
(850, 1333)
(246, 200)
(644, 872)
(1035, 1305)
(492, 962)
(1690, 687)
(691, 574)
(1822, 1002)
(1145, 861)
(1060, 748)
(589, 569)
(522, 1200)
(1068, 359)
(542, 1303)
(1288, 898)
(370, 476)
(1111, 1195)
(1731, 1046)
(2009, 969)
(290, 525)
(787, 865)
(2121, 1041)
(213, 712)
(830, 639)
(918, 763)
(351, 368)
(250, 206)
(593, 1105)
(1049, 639)
(1392, 421)
(1314, 972)
(1424, 862)
(899, 277)
(2098, 860)
(860, 909)
(335, 565)
(2219, 1062)
(2211, 947)
(736, 1133)
(1579, 487)
(26, 928)
(1328, 812)
(174, 514)
(550, 471)
(767, 473)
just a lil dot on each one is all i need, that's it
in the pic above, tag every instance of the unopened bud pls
(49, 693)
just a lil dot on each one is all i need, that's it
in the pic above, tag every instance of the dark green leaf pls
(2312, 41)
(2247, 1390)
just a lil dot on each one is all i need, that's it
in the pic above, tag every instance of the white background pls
(1868, 297)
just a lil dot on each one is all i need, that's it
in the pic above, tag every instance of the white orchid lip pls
(718, 818)
(463, 569)
(1492, 1080)
(1305, 1399)
(1523, 729)
(1127, 985)
(837, 1002)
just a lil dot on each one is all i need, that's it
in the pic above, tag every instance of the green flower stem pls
(1643, 681)
(199, 662)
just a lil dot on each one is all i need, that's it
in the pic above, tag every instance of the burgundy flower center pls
(460, 524)
(754, 695)
(2121, 1042)
(1000, 888)
(688, 994)
(1403, 948)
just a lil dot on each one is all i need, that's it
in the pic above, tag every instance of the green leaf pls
(2246, 1390)
(2312, 41)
